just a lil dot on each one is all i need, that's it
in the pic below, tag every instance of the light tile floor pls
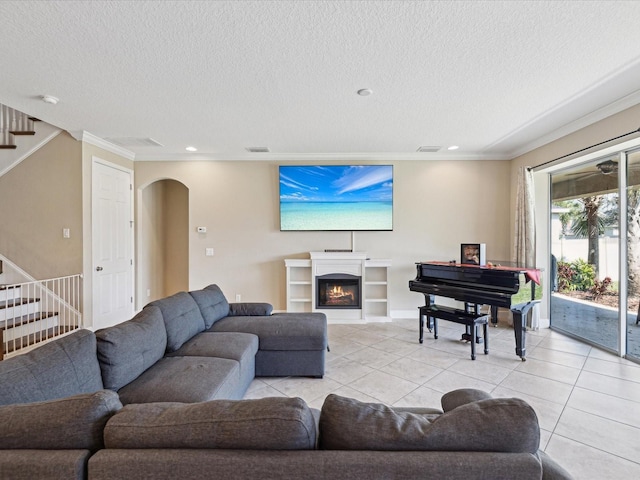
(587, 400)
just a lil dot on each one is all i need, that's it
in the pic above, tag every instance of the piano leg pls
(494, 315)
(520, 313)
(423, 315)
(486, 337)
(473, 342)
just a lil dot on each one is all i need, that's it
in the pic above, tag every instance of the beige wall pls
(38, 198)
(163, 236)
(437, 206)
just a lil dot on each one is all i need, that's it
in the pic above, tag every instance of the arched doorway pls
(163, 243)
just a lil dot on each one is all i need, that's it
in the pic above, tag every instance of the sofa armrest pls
(551, 470)
(248, 309)
(462, 396)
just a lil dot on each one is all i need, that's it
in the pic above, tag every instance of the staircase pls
(35, 312)
(14, 123)
(19, 137)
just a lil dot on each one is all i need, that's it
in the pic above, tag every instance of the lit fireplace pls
(338, 291)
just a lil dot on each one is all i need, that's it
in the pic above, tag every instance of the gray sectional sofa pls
(181, 348)
(92, 436)
(158, 397)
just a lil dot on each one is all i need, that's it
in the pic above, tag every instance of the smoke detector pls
(49, 99)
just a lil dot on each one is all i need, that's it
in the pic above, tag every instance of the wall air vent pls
(257, 149)
(134, 142)
(426, 149)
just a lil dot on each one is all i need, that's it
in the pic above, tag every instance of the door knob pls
(98, 269)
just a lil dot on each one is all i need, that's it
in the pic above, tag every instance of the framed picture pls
(473, 253)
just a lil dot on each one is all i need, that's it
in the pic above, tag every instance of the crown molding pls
(618, 106)
(304, 157)
(90, 138)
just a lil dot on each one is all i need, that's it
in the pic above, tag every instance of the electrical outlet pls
(66, 233)
(238, 297)
(148, 292)
(208, 252)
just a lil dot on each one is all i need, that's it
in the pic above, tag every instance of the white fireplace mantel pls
(301, 285)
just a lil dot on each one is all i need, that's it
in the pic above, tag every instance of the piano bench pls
(470, 320)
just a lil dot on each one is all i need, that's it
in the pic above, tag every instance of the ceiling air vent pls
(134, 142)
(425, 149)
(257, 149)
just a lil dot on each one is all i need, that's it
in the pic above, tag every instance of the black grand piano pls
(474, 285)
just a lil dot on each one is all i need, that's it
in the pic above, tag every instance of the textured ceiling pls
(496, 78)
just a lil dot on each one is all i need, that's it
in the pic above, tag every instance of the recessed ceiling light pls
(427, 148)
(453, 147)
(363, 92)
(49, 99)
(257, 149)
(191, 149)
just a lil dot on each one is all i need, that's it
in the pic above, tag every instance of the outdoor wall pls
(38, 198)
(437, 206)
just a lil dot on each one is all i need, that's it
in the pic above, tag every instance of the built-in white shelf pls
(374, 273)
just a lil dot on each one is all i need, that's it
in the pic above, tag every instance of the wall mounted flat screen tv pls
(336, 197)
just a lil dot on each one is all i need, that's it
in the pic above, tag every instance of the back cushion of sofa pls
(67, 366)
(75, 422)
(213, 304)
(492, 425)
(128, 349)
(182, 318)
(275, 423)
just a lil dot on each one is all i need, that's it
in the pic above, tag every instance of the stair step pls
(16, 302)
(22, 132)
(25, 319)
(34, 338)
(8, 146)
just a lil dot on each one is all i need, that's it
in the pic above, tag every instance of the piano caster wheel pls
(523, 359)
(430, 330)
(473, 357)
(421, 341)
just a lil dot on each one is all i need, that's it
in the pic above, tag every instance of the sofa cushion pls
(492, 425)
(462, 396)
(186, 380)
(263, 424)
(247, 309)
(182, 318)
(61, 368)
(129, 348)
(212, 303)
(74, 422)
(50, 464)
(234, 345)
(282, 331)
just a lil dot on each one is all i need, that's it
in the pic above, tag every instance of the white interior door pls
(112, 233)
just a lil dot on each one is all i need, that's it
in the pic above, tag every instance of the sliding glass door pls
(595, 251)
(632, 317)
(585, 230)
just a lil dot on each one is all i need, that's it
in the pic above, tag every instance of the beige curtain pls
(524, 248)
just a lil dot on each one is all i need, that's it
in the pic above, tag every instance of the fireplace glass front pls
(338, 291)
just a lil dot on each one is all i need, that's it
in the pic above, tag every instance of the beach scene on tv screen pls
(354, 197)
